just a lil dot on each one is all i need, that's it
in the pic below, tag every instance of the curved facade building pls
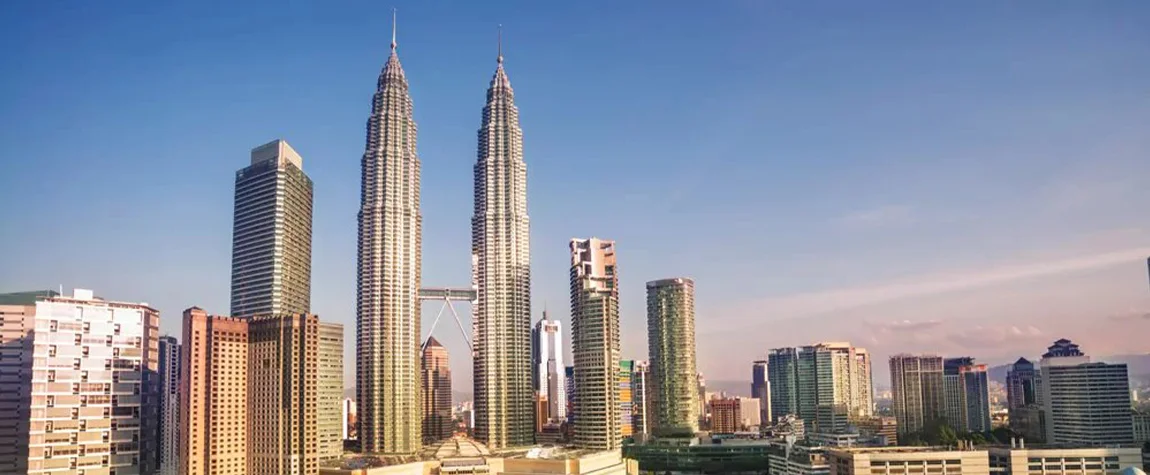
(501, 274)
(390, 233)
(671, 343)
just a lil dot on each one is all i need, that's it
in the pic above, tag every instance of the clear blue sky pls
(944, 176)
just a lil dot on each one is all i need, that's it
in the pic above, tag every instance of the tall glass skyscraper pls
(271, 234)
(671, 344)
(389, 272)
(501, 274)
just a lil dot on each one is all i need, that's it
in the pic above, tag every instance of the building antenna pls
(500, 43)
(393, 10)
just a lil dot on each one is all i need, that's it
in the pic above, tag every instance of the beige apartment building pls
(17, 319)
(93, 403)
(907, 460)
(214, 385)
(282, 390)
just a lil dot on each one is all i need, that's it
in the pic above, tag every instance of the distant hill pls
(1137, 365)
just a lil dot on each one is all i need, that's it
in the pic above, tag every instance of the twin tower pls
(389, 273)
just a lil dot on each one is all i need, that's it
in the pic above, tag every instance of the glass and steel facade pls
(671, 343)
(271, 234)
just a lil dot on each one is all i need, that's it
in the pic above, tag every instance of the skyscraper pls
(329, 395)
(94, 386)
(967, 395)
(213, 394)
(917, 390)
(824, 384)
(674, 381)
(1084, 403)
(782, 374)
(547, 367)
(389, 272)
(501, 273)
(760, 389)
(569, 392)
(1020, 384)
(595, 343)
(436, 392)
(282, 395)
(169, 423)
(271, 234)
(953, 401)
(1022, 400)
(626, 398)
(641, 398)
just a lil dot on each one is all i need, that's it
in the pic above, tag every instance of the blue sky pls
(910, 176)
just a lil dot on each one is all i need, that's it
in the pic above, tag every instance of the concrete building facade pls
(1053, 460)
(271, 234)
(907, 460)
(595, 343)
(94, 399)
(214, 394)
(17, 329)
(640, 398)
(329, 395)
(1084, 403)
(282, 373)
(168, 433)
(675, 400)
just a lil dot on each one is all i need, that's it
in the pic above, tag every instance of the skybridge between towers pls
(448, 296)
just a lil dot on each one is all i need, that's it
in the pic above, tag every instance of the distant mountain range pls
(1137, 365)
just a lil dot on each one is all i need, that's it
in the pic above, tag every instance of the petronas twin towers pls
(389, 266)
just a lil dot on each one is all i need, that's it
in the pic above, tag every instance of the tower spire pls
(500, 44)
(393, 29)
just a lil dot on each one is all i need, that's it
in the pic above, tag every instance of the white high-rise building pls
(389, 272)
(1084, 403)
(547, 366)
(501, 274)
(595, 344)
(93, 401)
(169, 440)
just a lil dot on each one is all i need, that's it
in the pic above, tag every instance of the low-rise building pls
(1054, 460)
(907, 460)
(461, 455)
(797, 459)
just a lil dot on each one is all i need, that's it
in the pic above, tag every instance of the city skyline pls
(933, 293)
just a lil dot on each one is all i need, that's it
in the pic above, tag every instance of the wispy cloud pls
(907, 325)
(876, 217)
(820, 302)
